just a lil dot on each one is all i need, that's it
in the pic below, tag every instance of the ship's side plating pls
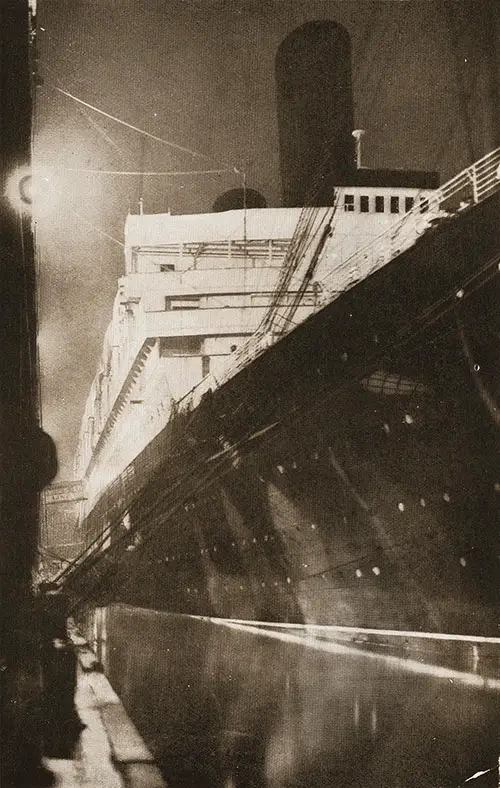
(349, 475)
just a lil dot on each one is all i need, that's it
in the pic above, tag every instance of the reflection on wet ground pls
(232, 706)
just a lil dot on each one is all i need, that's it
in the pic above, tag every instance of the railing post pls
(474, 184)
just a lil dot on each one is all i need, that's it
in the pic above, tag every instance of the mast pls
(491, 38)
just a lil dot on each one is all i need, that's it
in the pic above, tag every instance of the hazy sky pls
(200, 74)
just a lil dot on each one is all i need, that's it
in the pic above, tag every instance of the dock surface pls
(110, 752)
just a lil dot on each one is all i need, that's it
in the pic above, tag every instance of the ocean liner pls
(295, 417)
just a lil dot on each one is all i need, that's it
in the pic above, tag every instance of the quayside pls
(221, 705)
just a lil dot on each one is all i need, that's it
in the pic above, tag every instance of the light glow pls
(31, 190)
(14, 186)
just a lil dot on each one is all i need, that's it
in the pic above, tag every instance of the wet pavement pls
(109, 752)
(224, 704)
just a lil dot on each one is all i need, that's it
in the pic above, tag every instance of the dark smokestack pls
(315, 112)
(236, 199)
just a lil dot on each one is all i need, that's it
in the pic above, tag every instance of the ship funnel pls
(315, 112)
(236, 199)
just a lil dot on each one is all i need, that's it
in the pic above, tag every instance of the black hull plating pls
(349, 475)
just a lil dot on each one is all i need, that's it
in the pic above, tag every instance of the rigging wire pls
(146, 515)
(214, 473)
(131, 126)
(92, 122)
(100, 130)
(145, 172)
(373, 22)
(387, 48)
(430, 315)
(313, 264)
(51, 554)
(459, 78)
(95, 228)
(86, 563)
(296, 251)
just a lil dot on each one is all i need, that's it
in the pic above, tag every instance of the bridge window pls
(379, 204)
(205, 365)
(180, 346)
(167, 267)
(394, 204)
(175, 303)
(349, 202)
(364, 204)
(409, 203)
(424, 205)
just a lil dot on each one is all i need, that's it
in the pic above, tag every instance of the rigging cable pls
(313, 264)
(431, 314)
(459, 78)
(297, 248)
(145, 133)
(95, 228)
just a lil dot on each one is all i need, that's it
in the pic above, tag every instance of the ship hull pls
(350, 475)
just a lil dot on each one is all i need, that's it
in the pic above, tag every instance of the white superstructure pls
(195, 288)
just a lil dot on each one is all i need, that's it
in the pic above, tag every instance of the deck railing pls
(470, 187)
